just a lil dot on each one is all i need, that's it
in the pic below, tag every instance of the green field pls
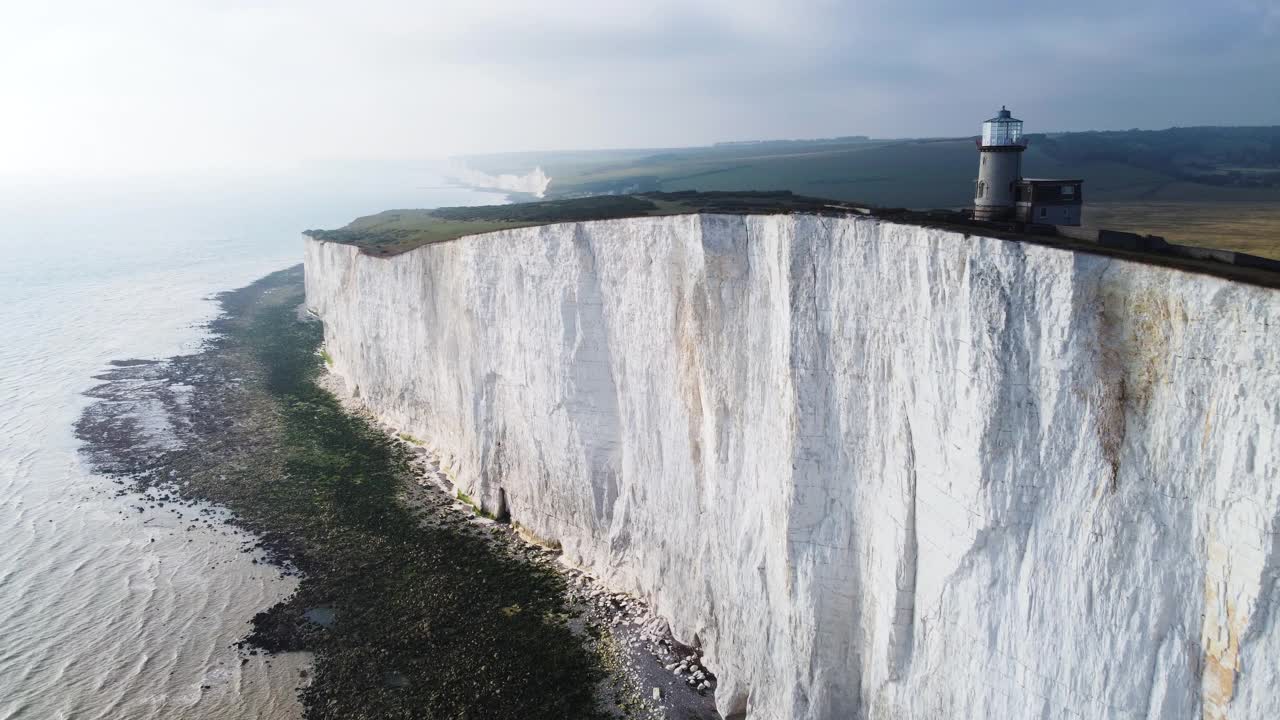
(1179, 165)
(1211, 186)
(1214, 186)
(908, 173)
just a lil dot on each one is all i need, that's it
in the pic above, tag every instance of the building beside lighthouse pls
(1048, 202)
(1002, 194)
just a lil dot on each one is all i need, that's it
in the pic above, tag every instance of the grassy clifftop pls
(396, 231)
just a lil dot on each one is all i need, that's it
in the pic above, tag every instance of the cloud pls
(151, 85)
(1270, 12)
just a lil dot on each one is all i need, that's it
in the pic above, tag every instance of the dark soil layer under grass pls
(408, 618)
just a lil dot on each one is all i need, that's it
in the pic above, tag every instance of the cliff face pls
(876, 470)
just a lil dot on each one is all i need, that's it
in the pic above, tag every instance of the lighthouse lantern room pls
(1002, 130)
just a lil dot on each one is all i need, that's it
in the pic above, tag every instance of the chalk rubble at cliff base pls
(872, 469)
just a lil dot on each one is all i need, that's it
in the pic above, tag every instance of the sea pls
(108, 611)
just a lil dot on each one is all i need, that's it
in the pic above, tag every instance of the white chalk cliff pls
(875, 470)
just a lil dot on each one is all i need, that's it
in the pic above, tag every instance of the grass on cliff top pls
(396, 231)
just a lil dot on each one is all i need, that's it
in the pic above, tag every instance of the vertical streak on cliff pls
(820, 537)
(904, 605)
(593, 394)
(1220, 636)
(691, 314)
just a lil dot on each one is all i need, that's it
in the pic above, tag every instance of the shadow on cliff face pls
(410, 613)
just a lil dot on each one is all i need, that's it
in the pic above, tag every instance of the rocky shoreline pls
(413, 605)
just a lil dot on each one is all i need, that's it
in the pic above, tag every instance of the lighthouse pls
(999, 167)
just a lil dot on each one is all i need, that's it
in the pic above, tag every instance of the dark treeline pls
(1236, 156)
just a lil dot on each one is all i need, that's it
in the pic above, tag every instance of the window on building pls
(982, 189)
(1068, 190)
(1044, 212)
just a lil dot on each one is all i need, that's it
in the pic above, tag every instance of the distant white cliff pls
(875, 470)
(535, 182)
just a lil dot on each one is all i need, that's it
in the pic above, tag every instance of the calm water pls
(106, 612)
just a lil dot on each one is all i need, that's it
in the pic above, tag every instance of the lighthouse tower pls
(1000, 167)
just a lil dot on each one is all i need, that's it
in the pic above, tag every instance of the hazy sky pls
(154, 86)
